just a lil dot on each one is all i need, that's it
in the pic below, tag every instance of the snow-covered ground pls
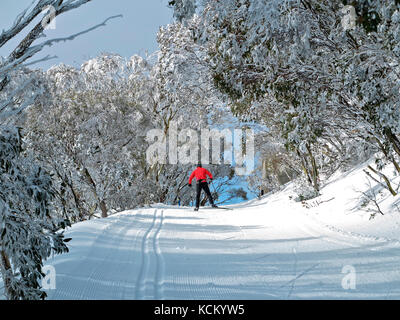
(273, 248)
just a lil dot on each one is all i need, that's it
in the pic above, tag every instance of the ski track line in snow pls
(220, 290)
(293, 281)
(342, 236)
(151, 236)
(338, 236)
(113, 253)
(160, 263)
(319, 234)
(142, 275)
(308, 229)
(356, 236)
(70, 292)
(318, 230)
(237, 228)
(206, 284)
(241, 235)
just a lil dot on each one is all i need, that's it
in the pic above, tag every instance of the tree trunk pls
(102, 203)
(4, 82)
(393, 140)
(304, 166)
(6, 267)
(103, 208)
(387, 155)
(77, 200)
(75, 194)
(387, 181)
(311, 174)
(315, 174)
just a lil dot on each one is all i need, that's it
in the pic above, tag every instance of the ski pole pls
(191, 200)
(215, 191)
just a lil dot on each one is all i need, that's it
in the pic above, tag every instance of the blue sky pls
(135, 33)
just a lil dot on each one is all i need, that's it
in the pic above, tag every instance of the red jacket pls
(200, 174)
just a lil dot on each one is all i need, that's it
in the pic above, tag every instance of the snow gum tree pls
(30, 230)
(91, 131)
(187, 99)
(330, 91)
(94, 129)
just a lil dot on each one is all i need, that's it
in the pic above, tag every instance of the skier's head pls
(199, 165)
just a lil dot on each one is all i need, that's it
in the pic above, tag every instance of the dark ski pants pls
(204, 186)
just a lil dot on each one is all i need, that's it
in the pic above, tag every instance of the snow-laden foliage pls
(91, 134)
(91, 130)
(29, 233)
(330, 91)
(25, 87)
(183, 9)
(29, 227)
(185, 96)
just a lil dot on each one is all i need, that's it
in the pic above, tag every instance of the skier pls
(201, 174)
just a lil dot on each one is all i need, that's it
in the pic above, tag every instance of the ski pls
(221, 208)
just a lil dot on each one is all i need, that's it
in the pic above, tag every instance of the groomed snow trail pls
(269, 249)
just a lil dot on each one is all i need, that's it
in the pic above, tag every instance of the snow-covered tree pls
(94, 129)
(30, 230)
(329, 91)
(187, 98)
(183, 9)
(91, 130)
